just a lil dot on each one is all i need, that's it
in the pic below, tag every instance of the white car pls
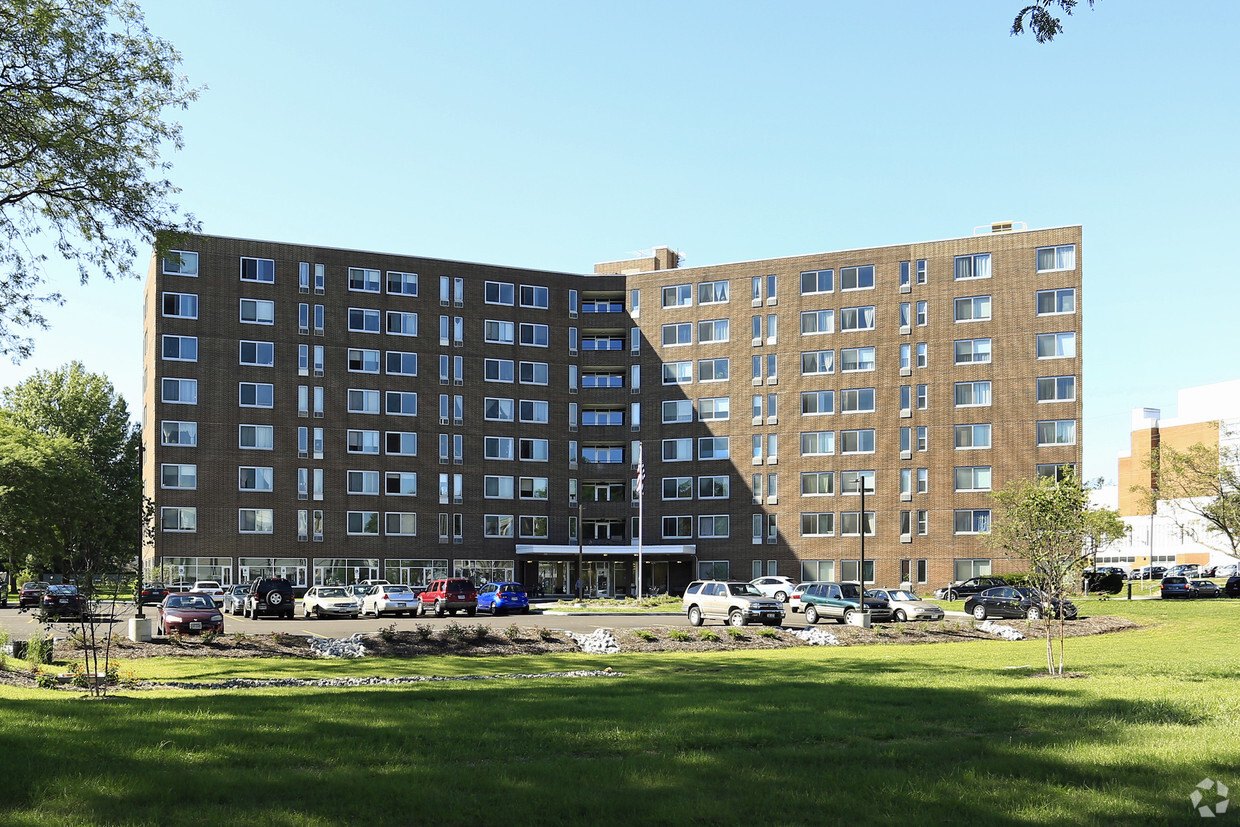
(907, 606)
(211, 588)
(794, 599)
(776, 586)
(389, 599)
(329, 601)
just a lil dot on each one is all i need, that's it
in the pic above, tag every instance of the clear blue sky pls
(555, 135)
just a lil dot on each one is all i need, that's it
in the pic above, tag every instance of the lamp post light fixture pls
(581, 554)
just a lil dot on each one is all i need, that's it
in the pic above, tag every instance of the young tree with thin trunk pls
(1200, 488)
(1043, 522)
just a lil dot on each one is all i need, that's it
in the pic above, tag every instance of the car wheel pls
(782, 597)
(951, 596)
(496, 611)
(848, 615)
(695, 616)
(979, 611)
(901, 616)
(318, 613)
(471, 612)
(526, 610)
(735, 618)
(811, 615)
(1034, 613)
(439, 611)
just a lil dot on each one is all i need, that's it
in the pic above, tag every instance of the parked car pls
(269, 596)
(1229, 570)
(357, 591)
(964, 588)
(63, 601)
(31, 594)
(1148, 573)
(390, 598)
(735, 603)
(776, 586)
(907, 606)
(369, 583)
(500, 598)
(211, 588)
(1207, 588)
(234, 599)
(1102, 581)
(189, 613)
(450, 595)
(794, 599)
(329, 601)
(152, 594)
(1189, 570)
(1176, 586)
(1017, 601)
(1232, 589)
(839, 602)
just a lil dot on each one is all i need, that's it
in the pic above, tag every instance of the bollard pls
(1130, 590)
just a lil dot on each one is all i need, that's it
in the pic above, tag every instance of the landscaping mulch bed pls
(529, 641)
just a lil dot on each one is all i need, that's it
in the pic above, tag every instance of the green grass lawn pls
(923, 734)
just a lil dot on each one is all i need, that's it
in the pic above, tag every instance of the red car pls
(31, 593)
(189, 614)
(449, 595)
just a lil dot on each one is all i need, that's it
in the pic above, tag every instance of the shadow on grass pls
(690, 743)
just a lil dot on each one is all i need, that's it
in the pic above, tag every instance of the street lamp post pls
(581, 553)
(141, 531)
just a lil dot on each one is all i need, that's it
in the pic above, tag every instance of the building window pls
(532, 488)
(184, 434)
(400, 523)
(401, 443)
(184, 519)
(677, 373)
(255, 520)
(250, 478)
(530, 526)
(713, 292)
(362, 442)
(972, 394)
(713, 331)
(714, 409)
(400, 484)
(1056, 345)
(363, 361)
(817, 443)
(714, 525)
(713, 488)
(857, 278)
(493, 488)
(677, 450)
(536, 297)
(712, 370)
(857, 318)
(714, 447)
(258, 311)
(971, 521)
(534, 450)
(678, 295)
(817, 524)
(1056, 302)
(255, 395)
(972, 436)
(817, 281)
(857, 442)
(973, 309)
(1056, 388)
(499, 370)
(535, 335)
(402, 284)
(180, 263)
(362, 482)
(496, 292)
(817, 484)
(257, 354)
(498, 447)
(1062, 257)
(180, 348)
(856, 359)
(402, 324)
(399, 363)
(363, 401)
(817, 403)
(258, 269)
(972, 351)
(179, 391)
(923, 314)
(251, 437)
(362, 522)
(497, 525)
(857, 400)
(402, 403)
(1055, 471)
(178, 475)
(533, 373)
(677, 528)
(973, 478)
(973, 267)
(817, 321)
(678, 410)
(678, 488)
(363, 280)
(1057, 432)
(181, 305)
(678, 334)
(850, 526)
(362, 320)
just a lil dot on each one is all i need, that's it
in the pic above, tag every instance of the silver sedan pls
(907, 606)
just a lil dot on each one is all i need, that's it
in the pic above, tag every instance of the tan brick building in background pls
(338, 415)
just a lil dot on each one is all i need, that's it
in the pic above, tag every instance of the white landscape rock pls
(598, 642)
(1005, 632)
(817, 637)
(350, 647)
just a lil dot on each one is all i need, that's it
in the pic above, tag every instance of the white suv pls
(734, 603)
(776, 586)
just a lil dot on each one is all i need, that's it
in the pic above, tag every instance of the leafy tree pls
(1042, 21)
(1043, 522)
(1200, 486)
(83, 86)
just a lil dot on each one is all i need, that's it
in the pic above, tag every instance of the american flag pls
(641, 472)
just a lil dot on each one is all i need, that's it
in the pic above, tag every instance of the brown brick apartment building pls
(338, 415)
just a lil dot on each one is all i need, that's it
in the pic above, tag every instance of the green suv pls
(839, 601)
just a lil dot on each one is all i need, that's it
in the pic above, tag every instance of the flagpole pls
(641, 511)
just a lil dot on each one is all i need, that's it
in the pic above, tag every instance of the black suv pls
(269, 596)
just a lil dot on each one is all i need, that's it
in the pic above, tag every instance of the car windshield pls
(744, 590)
(34, 585)
(206, 584)
(333, 592)
(458, 586)
(900, 594)
(62, 589)
(154, 586)
(189, 601)
(396, 589)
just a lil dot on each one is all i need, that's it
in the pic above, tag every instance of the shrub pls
(424, 631)
(547, 635)
(284, 639)
(79, 677)
(479, 633)
(678, 634)
(645, 634)
(735, 634)
(387, 633)
(513, 633)
(39, 649)
(77, 640)
(209, 636)
(708, 634)
(43, 680)
(768, 633)
(453, 631)
(240, 637)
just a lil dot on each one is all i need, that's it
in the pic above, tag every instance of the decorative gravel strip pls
(262, 683)
(817, 637)
(1005, 632)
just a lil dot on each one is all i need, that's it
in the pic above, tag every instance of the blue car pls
(500, 598)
